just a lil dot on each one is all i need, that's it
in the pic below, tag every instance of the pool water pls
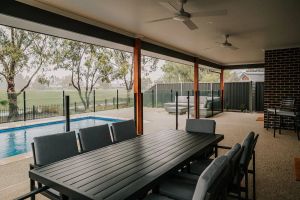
(15, 141)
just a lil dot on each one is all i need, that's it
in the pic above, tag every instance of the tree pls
(22, 51)
(87, 63)
(124, 67)
(176, 72)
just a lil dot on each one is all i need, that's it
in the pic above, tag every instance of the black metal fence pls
(238, 96)
(27, 111)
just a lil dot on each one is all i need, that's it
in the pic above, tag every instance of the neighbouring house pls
(253, 76)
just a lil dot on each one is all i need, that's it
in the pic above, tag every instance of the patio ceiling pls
(253, 25)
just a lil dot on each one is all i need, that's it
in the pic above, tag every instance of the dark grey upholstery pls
(52, 148)
(200, 126)
(233, 151)
(178, 188)
(123, 130)
(187, 188)
(94, 137)
(198, 167)
(247, 145)
(205, 126)
(209, 176)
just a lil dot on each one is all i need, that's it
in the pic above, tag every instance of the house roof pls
(254, 76)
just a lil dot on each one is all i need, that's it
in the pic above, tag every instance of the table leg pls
(280, 123)
(274, 124)
(268, 122)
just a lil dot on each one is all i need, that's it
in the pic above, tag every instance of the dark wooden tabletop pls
(122, 170)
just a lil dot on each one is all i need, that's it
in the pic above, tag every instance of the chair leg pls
(246, 185)
(32, 187)
(280, 123)
(254, 184)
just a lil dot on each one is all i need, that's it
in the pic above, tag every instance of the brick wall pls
(282, 78)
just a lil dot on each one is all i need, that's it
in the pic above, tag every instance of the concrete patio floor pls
(274, 163)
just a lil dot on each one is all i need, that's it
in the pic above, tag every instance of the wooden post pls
(137, 86)
(196, 88)
(222, 88)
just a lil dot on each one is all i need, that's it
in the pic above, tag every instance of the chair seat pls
(178, 188)
(156, 197)
(199, 166)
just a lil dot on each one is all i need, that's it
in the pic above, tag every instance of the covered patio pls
(275, 167)
(219, 40)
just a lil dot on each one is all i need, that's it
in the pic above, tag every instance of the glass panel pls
(160, 81)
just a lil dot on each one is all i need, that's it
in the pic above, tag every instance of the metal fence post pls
(188, 99)
(152, 98)
(156, 95)
(63, 95)
(24, 105)
(67, 112)
(105, 102)
(212, 101)
(75, 107)
(171, 95)
(33, 112)
(117, 99)
(176, 110)
(94, 101)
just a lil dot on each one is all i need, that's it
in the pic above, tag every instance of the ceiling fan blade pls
(190, 24)
(210, 13)
(171, 6)
(160, 20)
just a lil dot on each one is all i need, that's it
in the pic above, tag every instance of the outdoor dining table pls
(124, 170)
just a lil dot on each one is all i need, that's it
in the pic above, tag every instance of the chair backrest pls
(209, 177)
(123, 130)
(234, 156)
(247, 153)
(219, 189)
(51, 148)
(200, 126)
(287, 104)
(94, 137)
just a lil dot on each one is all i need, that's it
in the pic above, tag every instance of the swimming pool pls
(17, 140)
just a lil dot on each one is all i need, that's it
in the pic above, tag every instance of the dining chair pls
(202, 126)
(95, 137)
(210, 185)
(123, 130)
(232, 155)
(48, 149)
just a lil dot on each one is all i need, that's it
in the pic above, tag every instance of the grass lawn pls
(48, 97)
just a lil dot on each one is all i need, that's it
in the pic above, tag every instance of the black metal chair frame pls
(246, 171)
(40, 189)
(287, 104)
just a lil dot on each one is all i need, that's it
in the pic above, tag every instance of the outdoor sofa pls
(205, 105)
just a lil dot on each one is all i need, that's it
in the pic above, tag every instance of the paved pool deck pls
(275, 156)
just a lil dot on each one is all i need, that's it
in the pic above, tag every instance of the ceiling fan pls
(225, 44)
(183, 16)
